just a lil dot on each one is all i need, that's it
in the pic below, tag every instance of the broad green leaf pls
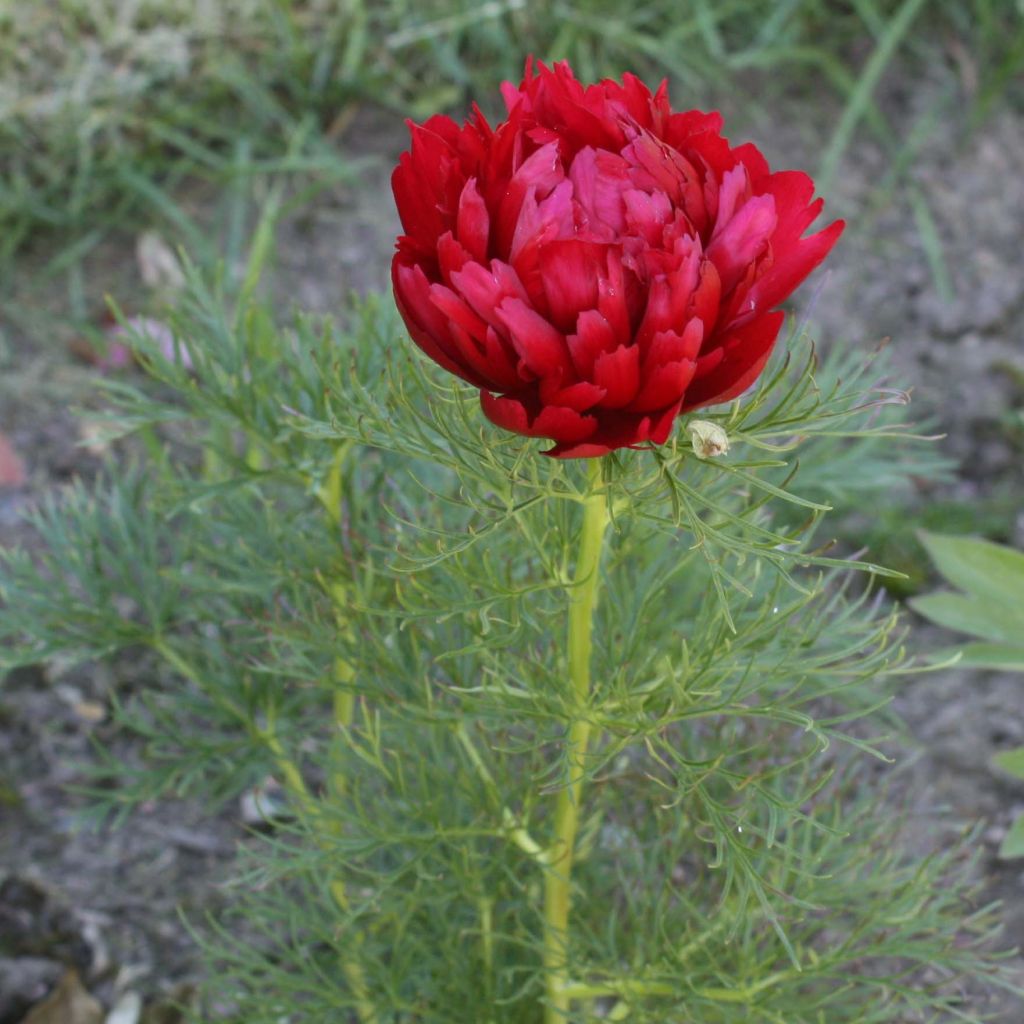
(1013, 844)
(1008, 657)
(987, 619)
(1011, 761)
(986, 570)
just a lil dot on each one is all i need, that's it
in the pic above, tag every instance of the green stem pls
(558, 880)
(343, 709)
(330, 494)
(296, 787)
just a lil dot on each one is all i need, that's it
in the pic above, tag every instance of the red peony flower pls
(597, 263)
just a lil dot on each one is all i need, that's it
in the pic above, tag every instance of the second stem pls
(558, 881)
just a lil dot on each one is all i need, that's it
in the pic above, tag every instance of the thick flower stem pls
(343, 709)
(582, 602)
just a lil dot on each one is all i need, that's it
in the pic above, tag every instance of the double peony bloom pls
(597, 264)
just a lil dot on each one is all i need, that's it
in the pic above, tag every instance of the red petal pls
(505, 412)
(473, 224)
(570, 273)
(456, 310)
(540, 346)
(733, 193)
(791, 266)
(542, 171)
(671, 347)
(665, 386)
(618, 373)
(743, 357)
(598, 181)
(751, 157)
(662, 425)
(615, 430)
(491, 369)
(554, 422)
(485, 289)
(428, 327)
(585, 450)
(743, 239)
(613, 298)
(593, 336)
(451, 255)
(706, 297)
(580, 396)
(647, 213)
(562, 424)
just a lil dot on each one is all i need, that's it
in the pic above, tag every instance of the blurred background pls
(130, 128)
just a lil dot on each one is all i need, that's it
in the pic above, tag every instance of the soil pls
(109, 902)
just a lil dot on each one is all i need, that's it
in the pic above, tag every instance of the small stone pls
(126, 1010)
(70, 1003)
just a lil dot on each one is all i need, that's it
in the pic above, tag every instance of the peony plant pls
(596, 265)
(593, 737)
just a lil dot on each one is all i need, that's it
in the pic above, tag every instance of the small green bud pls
(708, 439)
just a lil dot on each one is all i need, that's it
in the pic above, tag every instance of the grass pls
(107, 104)
(188, 116)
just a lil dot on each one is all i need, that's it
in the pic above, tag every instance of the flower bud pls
(708, 439)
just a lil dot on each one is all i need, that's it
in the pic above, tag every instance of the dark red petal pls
(451, 256)
(791, 266)
(427, 326)
(505, 412)
(615, 430)
(665, 386)
(614, 298)
(598, 181)
(706, 297)
(733, 192)
(501, 362)
(580, 396)
(541, 348)
(661, 426)
(751, 157)
(541, 172)
(708, 362)
(455, 310)
(584, 450)
(647, 213)
(744, 354)
(485, 289)
(490, 372)
(593, 336)
(743, 239)
(618, 373)
(570, 274)
(420, 218)
(563, 424)
(473, 224)
(666, 310)
(554, 422)
(671, 347)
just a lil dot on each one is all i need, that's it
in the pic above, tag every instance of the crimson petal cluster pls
(597, 263)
